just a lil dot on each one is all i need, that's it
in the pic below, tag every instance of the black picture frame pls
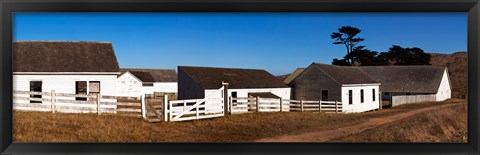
(10, 6)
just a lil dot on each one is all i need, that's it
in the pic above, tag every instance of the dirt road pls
(326, 135)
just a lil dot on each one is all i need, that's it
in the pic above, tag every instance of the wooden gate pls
(193, 109)
(155, 108)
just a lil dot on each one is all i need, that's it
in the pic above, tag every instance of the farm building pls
(135, 81)
(65, 67)
(357, 91)
(205, 82)
(405, 84)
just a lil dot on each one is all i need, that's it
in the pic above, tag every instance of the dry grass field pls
(442, 125)
(47, 127)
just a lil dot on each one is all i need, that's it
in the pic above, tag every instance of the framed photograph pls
(239, 77)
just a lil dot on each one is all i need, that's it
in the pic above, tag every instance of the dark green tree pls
(364, 57)
(398, 55)
(346, 35)
(340, 62)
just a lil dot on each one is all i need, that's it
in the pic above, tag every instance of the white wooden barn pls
(204, 82)
(357, 91)
(416, 82)
(137, 81)
(66, 67)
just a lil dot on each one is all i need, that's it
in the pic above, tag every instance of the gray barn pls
(357, 91)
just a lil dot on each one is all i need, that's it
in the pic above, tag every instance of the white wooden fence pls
(399, 100)
(257, 104)
(68, 103)
(182, 110)
(177, 110)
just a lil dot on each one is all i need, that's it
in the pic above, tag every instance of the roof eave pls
(66, 73)
(364, 84)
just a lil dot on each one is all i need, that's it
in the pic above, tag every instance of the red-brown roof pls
(64, 56)
(345, 74)
(413, 79)
(212, 78)
(153, 75)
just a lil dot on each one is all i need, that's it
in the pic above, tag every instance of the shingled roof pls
(293, 75)
(345, 74)
(412, 79)
(64, 56)
(263, 95)
(212, 78)
(153, 75)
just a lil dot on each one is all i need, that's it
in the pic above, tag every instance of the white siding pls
(128, 85)
(283, 93)
(356, 106)
(65, 83)
(169, 87)
(147, 90)
(444, 90)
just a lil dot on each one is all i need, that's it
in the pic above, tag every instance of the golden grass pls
(48, 127)
(442, 125)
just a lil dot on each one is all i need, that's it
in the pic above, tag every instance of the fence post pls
(170, 111)
(98, 104)
(319, 105)
(301, 105)
(52, 101)
(185, 105)
(380, 104)
(165, 103)
(336, 107)
(196, 108)
(256, 101)
(281, 108)
(144, 112)
(230, 105)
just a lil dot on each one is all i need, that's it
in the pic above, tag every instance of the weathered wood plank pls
(74, 101)
(74, 95)
(200, 117)
(128, 110)
(32, 93)
(31, 105)
(122, 104)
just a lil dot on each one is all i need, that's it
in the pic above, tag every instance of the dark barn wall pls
(188, 88)
(309, 84)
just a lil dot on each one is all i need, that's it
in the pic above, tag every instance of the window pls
(81, 89)
(234, 97)
(361, 95)
(350, 97)
(35, 86)
(373, 94)
(324, 95)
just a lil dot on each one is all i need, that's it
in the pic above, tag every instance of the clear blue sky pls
(277, 42)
